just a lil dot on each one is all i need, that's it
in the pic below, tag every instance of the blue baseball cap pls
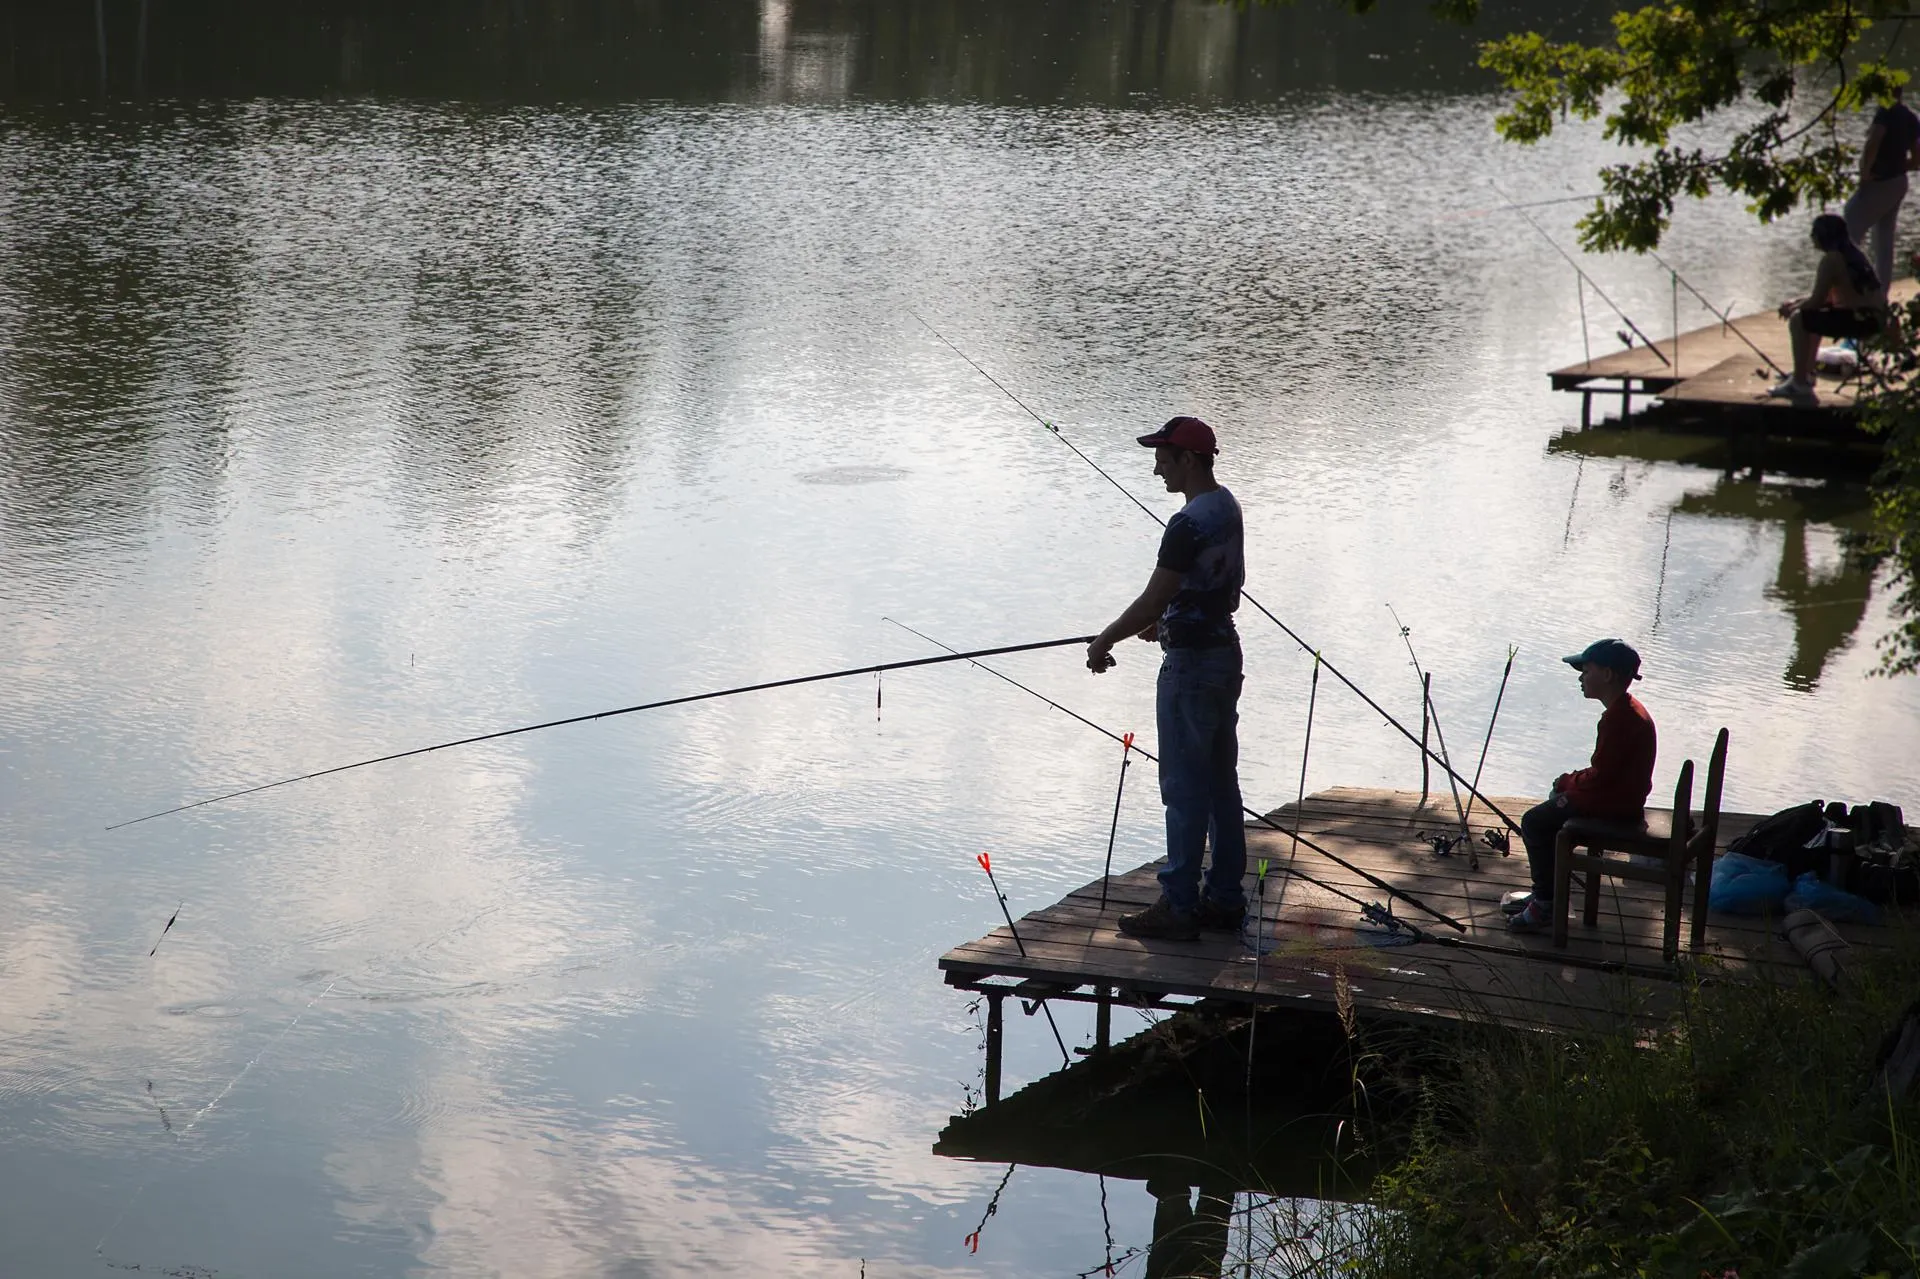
(1615, 655)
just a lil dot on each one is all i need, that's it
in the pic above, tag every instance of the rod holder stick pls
(1676, 321)
(1586, 339)
(1126, 753)
(1426, 700)
(1299, 807)
(1426, 692)
(1491, 721)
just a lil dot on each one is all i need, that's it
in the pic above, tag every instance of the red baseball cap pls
(1188, 433)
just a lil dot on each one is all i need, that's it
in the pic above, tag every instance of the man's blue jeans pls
(1199, 719)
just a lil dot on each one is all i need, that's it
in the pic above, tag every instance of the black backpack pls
(1783, 838)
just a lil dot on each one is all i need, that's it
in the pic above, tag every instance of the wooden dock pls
(1721, 370)
(1320, 953)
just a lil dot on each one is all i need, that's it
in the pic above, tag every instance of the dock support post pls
(995, 1033)
(1626, 402)
(1103, 1020)
(1586, 409)
(1426, 702)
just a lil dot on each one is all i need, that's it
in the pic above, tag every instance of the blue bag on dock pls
(1744, 885)
(1810, 892)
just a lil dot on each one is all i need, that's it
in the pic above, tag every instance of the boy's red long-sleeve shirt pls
(1616, 786)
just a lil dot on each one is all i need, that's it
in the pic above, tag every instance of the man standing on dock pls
(1613, 788)
(1891, 149)
(1188, 606)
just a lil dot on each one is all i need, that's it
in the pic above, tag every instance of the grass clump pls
(1749, 1135)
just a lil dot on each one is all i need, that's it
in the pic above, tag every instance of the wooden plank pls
(1418, 984)
(1743, 383)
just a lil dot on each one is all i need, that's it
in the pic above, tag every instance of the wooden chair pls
(1677, 840)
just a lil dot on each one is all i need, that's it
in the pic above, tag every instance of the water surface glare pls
(330, 429)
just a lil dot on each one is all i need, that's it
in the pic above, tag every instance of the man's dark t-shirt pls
(1203, 544)
(1902, 129)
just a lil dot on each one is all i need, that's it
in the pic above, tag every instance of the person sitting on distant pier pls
(1849, 300)
(1613, 788)
(1188, 607)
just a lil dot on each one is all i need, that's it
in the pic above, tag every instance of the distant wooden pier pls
(1721, 370)
(1320, 954)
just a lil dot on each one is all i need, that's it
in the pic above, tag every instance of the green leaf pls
(1840, 1256)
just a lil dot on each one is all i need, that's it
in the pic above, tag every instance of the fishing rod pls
(1725, 317)
(624, 710)
(1493, 719)
(1260, 817)
(1262, 608)
(1583, 275)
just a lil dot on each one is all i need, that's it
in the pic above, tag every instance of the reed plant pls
(1747, 1136)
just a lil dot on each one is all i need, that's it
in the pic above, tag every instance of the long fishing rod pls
(1591, 283)
(1493, 719)
(1258, 816)
(1725, 317)
(1262, 608)
(624, 710)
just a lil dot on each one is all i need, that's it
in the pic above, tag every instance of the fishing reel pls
(1498, 840)
(1442, 845)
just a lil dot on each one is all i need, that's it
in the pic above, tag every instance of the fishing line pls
(181, 1134)
(624, 710)
(1262, 818)
(1262, 608)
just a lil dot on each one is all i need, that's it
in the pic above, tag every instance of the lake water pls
(364, 385)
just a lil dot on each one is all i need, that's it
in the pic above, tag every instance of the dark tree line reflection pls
(598, 50)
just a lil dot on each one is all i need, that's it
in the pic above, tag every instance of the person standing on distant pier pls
(1614, 787)
(1188, 606)
(1891, 150)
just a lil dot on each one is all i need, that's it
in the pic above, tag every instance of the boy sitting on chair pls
(1614, 788)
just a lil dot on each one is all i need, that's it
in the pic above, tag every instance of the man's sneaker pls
(1161, 921)
(1218, 918)
(1534, 918)
(1514, 903)
(1792, 388)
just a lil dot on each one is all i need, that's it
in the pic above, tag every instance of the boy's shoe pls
(1218, 918)
(1162, 922)
(1514, 903)
(1791, 388)
(1533, 918)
